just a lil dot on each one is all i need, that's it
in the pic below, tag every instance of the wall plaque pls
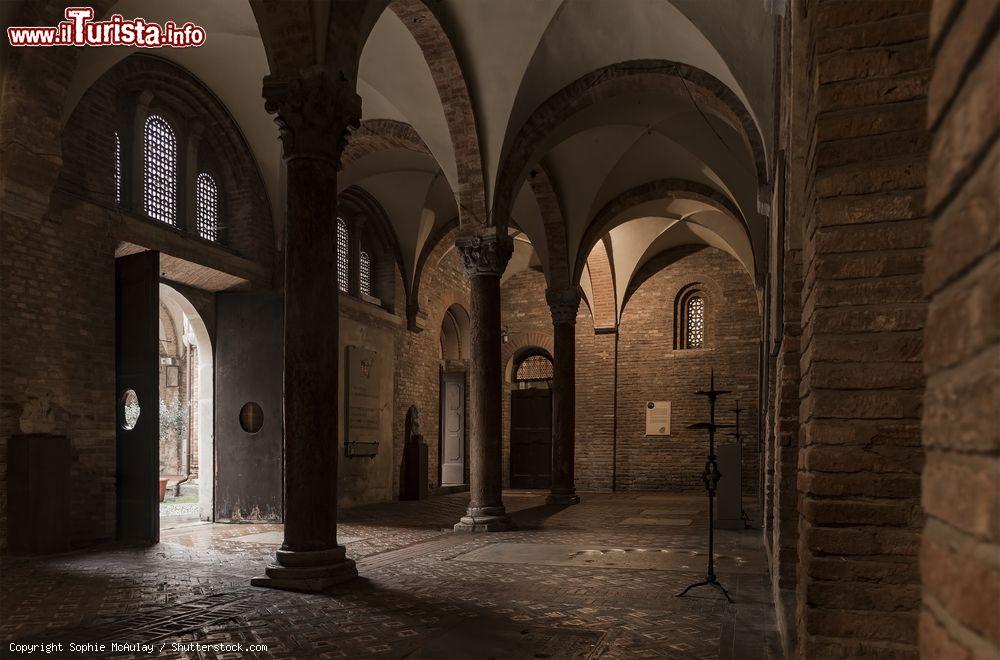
(657, 418)
(362, 403)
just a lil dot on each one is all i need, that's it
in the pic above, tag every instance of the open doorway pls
(185, 384)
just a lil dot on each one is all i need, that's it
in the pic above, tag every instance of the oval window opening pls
(130, 410)
(251, 417)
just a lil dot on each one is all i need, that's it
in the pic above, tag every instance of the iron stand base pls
(710, 582)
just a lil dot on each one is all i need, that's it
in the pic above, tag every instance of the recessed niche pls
(251, 417)
(130, 409)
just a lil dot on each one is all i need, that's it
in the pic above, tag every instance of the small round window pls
(251, 417)
(129, 404)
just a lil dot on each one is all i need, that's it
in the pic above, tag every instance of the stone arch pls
(674, 78)
(608, 217)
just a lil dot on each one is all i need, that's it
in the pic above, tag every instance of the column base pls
(562, 498)
(308, 572)
(485, 519)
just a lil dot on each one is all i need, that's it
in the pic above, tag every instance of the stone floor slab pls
(581, 556)
(650, 520)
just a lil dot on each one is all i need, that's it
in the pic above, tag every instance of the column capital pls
(314, 112)
(564, 303)
(485, 254)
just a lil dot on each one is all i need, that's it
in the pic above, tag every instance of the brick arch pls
(376, 135)
(604, 306)
(442, 304)
(438, 243)
(664, 76)
(554, 222)
(519, 342)
(446, 70)
(605, 219)
(88, 145)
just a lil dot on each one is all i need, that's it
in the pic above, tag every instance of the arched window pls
(691, 318)
(694, 326)
(206, 200)
(534, 368)
(343, 267)
(365, 274)
(118, 170)
(160, 170)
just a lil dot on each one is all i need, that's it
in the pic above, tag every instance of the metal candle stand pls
(710, 477)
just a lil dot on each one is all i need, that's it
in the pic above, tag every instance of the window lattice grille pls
(207, 207)
(695, 322)
(343, 267)
(118, 170)
(365, 274)
(160, 170)
(534, 367)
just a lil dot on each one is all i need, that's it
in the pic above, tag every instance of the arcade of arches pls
(380, 327)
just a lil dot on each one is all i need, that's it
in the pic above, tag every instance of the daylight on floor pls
(500, 329)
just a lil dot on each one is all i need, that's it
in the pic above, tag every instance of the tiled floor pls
(421, 593)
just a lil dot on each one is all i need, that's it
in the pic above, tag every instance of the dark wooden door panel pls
(531, 438)
(137, 438)
(248, 411)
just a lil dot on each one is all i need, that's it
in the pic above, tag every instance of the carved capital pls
(564, 304)
(314, 113)
(486, 254)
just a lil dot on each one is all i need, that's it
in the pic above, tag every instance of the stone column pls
(564, 304)
(314, 114)
(484, 258)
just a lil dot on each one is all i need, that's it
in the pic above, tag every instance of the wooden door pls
(531, 438)
(248, 407)
(137, 360)
(452, 446)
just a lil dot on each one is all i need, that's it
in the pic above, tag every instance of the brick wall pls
(110, 106)
(57, 255)
(862, 319)
(418, 378)
(649, 368)
(961, 479)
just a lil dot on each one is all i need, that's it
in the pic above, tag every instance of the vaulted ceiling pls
(645, 121)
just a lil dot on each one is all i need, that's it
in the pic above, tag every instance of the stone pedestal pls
(729, 508)
(415, 470)
(484, 258)
(313, 114)
(564, 304)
